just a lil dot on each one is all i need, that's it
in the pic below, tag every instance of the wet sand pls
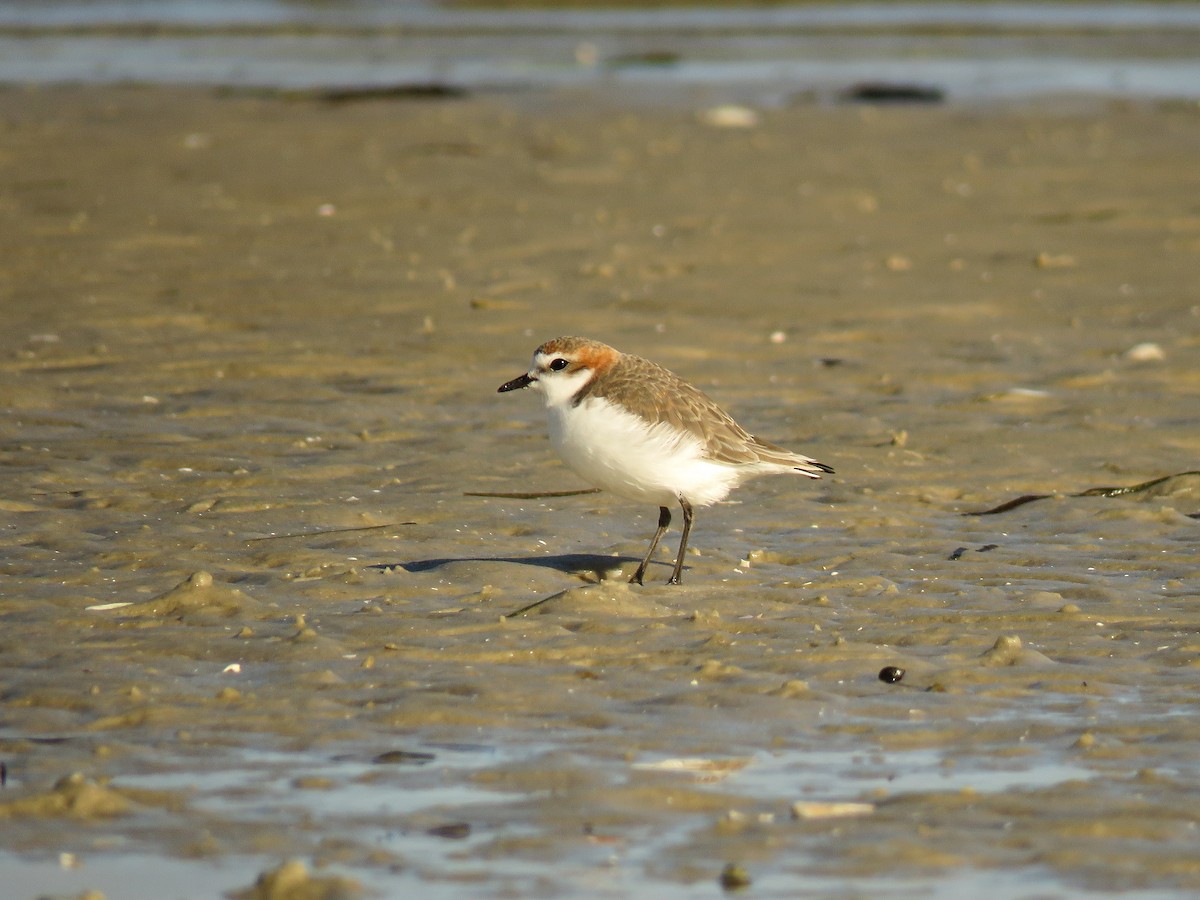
(251, 613)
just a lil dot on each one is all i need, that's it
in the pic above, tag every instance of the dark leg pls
(664, 519)
(687, 529)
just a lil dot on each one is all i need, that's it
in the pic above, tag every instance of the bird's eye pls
(557, 365)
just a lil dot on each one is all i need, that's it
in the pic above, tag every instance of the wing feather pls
(658, 395)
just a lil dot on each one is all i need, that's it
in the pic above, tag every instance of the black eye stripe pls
(557, 365)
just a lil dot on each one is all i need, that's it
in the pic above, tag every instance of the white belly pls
(615, 450)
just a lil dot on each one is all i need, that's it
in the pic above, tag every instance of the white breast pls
(619, 452)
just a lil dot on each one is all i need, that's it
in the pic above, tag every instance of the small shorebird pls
(631, 427)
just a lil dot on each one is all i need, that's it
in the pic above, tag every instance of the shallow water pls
(766, 55)
(250, 361)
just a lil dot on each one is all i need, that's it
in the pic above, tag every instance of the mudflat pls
(257, 576)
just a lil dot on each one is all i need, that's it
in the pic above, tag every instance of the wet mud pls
(258, 624)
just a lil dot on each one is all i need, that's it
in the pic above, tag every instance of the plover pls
(631, 427)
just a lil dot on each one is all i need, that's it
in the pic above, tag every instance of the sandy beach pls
(255, 607)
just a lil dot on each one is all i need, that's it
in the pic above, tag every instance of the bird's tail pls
(780, 456)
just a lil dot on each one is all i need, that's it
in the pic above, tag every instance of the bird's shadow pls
(572, 563)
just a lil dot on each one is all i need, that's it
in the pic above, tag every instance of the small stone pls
(804, 809)
(730, 116)
(734, 877)
(1054, 261)
(404, 757)
(891, 674)
(454, 831)
(1146, 352)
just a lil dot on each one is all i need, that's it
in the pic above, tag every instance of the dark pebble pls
(455, 831)
(734, 877)
(884, 92)
(406, 757)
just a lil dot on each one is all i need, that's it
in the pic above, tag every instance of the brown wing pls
(657, 395)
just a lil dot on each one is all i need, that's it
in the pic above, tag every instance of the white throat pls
(558, 388)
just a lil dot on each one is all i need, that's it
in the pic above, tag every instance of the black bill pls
(516, 384)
